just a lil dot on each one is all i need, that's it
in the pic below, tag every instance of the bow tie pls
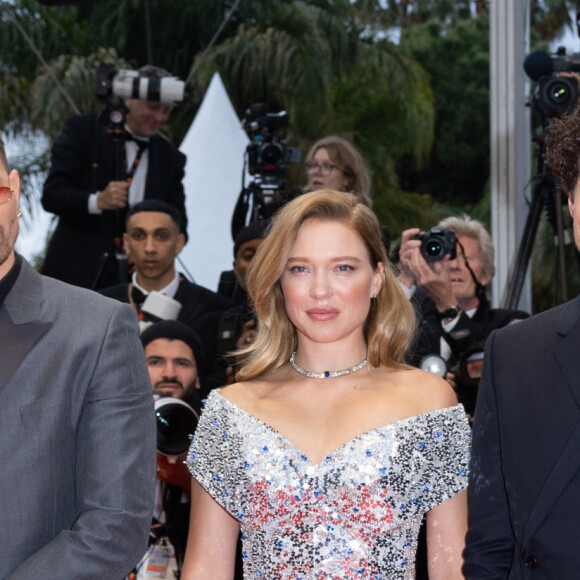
(141, 143)
(137, 296)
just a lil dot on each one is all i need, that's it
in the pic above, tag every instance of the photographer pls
(450, 293)
(97, 174)
(173, 352)
(237, 325)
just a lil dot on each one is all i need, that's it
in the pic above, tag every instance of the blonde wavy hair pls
(391, 321)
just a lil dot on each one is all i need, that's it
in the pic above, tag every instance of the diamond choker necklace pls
(326, 374)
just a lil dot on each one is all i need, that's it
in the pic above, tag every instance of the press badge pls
(158, 562)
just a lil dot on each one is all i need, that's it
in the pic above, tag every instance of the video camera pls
(267, 158)
(129, 84)
(437, 243)
(554, 94)
(157, 307)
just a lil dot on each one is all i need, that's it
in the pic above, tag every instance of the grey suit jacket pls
(77, 445)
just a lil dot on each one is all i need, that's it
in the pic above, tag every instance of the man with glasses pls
(96, 175)
(76, 410)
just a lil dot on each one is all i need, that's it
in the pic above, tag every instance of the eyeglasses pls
(325, 168)
(6, 193)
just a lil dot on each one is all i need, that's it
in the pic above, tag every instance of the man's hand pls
(114, 196)
(433, 279)
(407, 252)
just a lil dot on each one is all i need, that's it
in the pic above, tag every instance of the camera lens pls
(558, 93)
(433, 248)
(271, 154)
(175, 421)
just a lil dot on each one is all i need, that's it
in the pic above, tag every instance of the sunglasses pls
(6, 193)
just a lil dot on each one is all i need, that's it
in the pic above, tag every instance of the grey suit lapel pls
(567, 465)
(20, 327)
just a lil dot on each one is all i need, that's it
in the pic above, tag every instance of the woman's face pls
(324, 174)
(328, 282)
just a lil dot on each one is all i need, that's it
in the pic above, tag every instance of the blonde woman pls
(330, 450)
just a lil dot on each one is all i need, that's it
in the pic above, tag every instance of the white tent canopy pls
(215, 146)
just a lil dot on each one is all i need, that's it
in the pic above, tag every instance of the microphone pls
(538, 64)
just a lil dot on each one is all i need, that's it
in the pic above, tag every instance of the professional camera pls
(267, 154)
(175, 421)
(267, 158)
(156, 307)
(554, 94)
(127, 84)
(437, 243)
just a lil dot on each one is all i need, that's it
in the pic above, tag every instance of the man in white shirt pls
(98, 171)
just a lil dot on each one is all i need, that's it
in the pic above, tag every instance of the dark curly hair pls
(563, 149)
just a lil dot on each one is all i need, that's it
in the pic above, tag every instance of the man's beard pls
(5, 247)
(180, 390)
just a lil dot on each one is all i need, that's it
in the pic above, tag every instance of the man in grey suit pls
(77, 446)
(524, 486)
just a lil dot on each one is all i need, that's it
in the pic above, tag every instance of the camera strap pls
(479, 287)
(141, 147)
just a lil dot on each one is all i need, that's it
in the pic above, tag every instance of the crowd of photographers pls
(115, 185)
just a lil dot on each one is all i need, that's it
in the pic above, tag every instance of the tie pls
(141, 146)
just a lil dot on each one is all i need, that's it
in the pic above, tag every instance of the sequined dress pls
(355, 514)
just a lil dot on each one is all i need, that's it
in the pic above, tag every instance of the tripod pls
(115, 258)
(545, 196)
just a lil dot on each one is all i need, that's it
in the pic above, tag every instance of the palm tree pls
(315, 63)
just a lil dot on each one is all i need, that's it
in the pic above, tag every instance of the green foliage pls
(549, 17)
(315, 63)
(49, 108)
(457, 61)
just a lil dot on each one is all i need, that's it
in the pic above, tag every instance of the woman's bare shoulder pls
(246, 392)
(424, 390)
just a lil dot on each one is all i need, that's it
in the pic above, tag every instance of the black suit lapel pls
(20, 324)
(568, 462)
(17, 340)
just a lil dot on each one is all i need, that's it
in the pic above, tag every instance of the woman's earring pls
(19, 214)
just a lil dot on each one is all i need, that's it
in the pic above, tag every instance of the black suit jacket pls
(524, 490)
(479, 327)
(84, 161)
(201, 310)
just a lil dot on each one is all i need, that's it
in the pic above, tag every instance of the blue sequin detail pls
(354, 514)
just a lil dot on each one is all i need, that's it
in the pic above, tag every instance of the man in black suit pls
(97, 173)
(524, 490)
(455, 314)
(152, 241)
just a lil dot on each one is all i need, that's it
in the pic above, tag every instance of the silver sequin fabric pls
(355, 514)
